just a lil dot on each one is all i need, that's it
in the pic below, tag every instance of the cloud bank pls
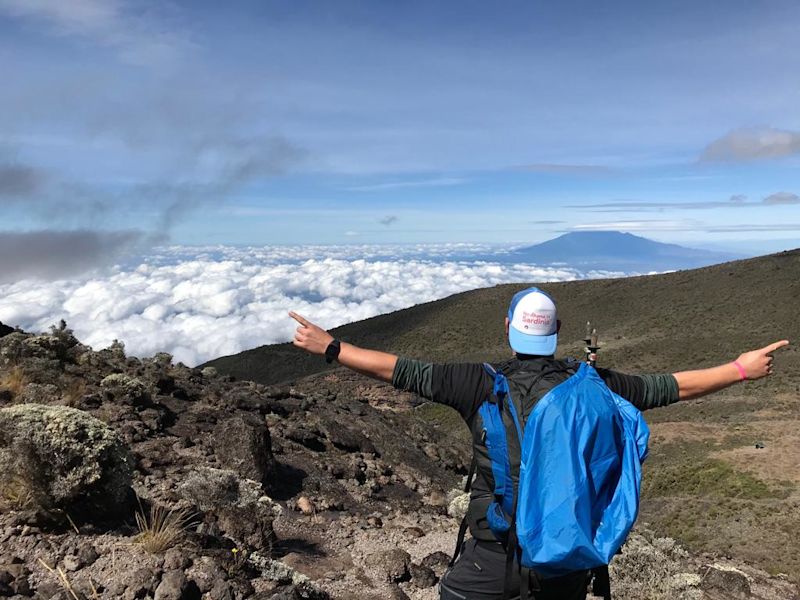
(201, 304)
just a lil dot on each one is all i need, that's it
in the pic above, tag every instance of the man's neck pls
(532, 356)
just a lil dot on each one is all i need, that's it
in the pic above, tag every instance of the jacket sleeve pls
(462, 386)
(643, 391)
(413, 376)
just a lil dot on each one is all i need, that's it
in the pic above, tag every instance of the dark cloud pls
(49, 254)
(752, 144)
(388, 220)
(19, 181)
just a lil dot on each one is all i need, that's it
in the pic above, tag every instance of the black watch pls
(332, 351)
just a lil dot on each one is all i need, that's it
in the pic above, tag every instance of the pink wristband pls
(742, 372)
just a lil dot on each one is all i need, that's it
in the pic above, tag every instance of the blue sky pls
(129, 122)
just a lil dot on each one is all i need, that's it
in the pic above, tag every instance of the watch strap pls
(332, 351)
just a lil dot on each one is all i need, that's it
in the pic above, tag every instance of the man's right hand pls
(315, 339)
(310, 337)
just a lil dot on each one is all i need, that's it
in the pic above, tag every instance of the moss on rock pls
(70, 459)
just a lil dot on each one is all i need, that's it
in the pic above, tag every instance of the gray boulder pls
(241, 509)
(69, 458)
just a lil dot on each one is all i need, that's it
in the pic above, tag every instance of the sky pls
(130, 124)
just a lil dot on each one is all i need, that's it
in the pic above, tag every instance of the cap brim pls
(540, 345)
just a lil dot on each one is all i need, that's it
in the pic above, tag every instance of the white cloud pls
(199, 304)
(132, 31)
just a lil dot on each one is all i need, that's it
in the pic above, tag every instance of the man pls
(532, 330)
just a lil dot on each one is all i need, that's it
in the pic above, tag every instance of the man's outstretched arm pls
(750, 365)
(316, 340)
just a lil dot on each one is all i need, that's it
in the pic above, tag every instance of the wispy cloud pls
(418, 183)
(666, 225)
(560, 169)
(735, 201)
(136, 34)
(782, 198)
(752, 144)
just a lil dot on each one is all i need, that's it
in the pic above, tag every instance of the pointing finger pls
(772, 347)
(302, 320)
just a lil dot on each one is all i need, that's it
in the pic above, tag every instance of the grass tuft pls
(14, 381)
(161, 527)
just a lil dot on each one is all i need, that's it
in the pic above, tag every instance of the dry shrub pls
(161, 527)
(16, 493)
(653, 568)
(14, 381)
(74, 392)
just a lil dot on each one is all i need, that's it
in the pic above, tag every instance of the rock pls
(391, 565)
(244, 513)
(222, 590)
(209, 372)
(437, 561)
(347, 439)
(458, 504)
(175, 558)
(242, 444)
(732, 582)
(87, 555)
(422, 576)
(396, 593)
(305, 505)
(128, 390)
(175, 586)
(205, 572)
(70, 459)
(436, 498)
(72, 563)
(141, 582)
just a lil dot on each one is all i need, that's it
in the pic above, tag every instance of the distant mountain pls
(616, 251)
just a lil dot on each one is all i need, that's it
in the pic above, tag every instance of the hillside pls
(659, 322)
(723, 476)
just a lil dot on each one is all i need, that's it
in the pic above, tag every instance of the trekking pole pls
(591, 344)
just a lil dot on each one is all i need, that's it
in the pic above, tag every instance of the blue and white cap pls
(533, 323)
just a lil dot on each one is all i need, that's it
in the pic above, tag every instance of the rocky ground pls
(139, 478)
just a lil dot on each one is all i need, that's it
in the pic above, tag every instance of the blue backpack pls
(581, 451)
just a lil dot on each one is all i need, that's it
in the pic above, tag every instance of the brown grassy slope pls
(664, 322)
